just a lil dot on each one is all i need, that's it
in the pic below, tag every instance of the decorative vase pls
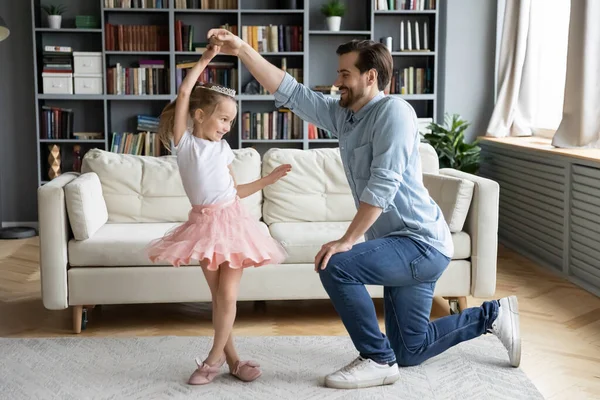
(54, 21)
(333, 23)
(54, 161)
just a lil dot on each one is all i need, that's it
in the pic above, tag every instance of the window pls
(550, 33)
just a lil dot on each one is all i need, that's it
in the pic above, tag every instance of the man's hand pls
(278, 173)
(229, 43)
(328, 250)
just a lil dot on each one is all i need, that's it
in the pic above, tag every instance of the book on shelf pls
(396, 5)
(57, 59)
(136, 3)
(147, 123)
(281, 124)
(184, 37)
(149, 78)
(206, 4)
(221, 73)
(140, 144)
(296, 73)
(56, 123)
(314, 132)
(136, 37)
(273, 38)
(412, 80)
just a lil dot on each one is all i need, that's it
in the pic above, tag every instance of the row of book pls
(412, 80)
(151, 77)
(147, 123)
(140, 144)
(57, 59)
(207, 4)
(273, 38)
(417, 5)
(184, 37)
(297, 73)
(314, 132)
(221, 73)
(280, 124)
(136, 37)
(56, 123)
(136, 3)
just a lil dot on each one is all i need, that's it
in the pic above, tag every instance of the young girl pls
(220, 234)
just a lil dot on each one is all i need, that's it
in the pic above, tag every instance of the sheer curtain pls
(580, 125)
(531, 67)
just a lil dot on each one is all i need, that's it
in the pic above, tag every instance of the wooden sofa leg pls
(462, 303)
(77, 318)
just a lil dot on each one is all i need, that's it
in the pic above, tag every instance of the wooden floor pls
(560, 322)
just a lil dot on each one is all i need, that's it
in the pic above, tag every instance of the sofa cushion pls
(85, 205)
(453, 195)
(149, 189)
(303, 240)
(316, 190)
(120, 245)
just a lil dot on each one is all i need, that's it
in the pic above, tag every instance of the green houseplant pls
(54, 14)
(334, 10)
(448, 142)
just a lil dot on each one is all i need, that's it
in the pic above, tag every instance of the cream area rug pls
(293, 368)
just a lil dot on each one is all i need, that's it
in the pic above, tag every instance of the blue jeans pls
(408, 270)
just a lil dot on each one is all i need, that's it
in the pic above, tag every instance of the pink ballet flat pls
(205, 373)
(246, 371)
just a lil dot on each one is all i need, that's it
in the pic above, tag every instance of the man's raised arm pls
(310, 106)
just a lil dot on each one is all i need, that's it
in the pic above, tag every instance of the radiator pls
(549, 209)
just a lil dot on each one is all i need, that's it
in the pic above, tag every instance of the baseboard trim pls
(30, 224)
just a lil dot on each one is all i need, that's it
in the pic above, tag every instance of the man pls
(408, 243)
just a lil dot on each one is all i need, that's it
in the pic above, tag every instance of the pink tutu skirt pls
(218, 233)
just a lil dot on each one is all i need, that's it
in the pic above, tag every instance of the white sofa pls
(94, 228)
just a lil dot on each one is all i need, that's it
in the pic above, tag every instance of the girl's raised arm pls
(182, 104)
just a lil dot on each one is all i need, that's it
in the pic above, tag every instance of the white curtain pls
(580, 125)
(513, 110)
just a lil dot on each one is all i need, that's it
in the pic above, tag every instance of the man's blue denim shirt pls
(379, 147)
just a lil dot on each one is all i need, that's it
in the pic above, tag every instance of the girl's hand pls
(278, 173)
(211, 51)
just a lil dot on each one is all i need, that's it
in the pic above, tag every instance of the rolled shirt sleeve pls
(393, 145)
(311, 106)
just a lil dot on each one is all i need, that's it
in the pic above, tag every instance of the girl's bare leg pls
(212, 277)
(227, 294)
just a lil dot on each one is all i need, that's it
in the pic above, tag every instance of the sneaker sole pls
(388, 380)
(515, 355)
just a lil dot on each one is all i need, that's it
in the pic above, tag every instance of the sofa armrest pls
(54, 237)
(482, 226)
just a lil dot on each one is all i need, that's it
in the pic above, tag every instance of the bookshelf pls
(116, 110)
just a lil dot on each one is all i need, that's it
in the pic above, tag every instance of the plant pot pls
(54, 21)
(333, 23)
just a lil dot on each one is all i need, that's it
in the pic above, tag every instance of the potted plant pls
(54, 14)
(448, 142)
(334, 10)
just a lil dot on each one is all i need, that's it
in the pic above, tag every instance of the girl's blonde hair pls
(201, 98)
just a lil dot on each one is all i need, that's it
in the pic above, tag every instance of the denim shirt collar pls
(357, 116)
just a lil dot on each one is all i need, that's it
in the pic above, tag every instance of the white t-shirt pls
(203, 166)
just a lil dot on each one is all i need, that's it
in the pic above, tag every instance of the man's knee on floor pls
(407, 358)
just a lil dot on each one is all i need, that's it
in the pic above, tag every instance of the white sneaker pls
(362, 373)
(506, 328)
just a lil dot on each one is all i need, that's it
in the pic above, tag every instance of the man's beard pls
(351, 96)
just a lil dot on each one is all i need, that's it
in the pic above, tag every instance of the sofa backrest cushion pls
(452, 195)
(149, 189)
(85, 205)
(316, 190)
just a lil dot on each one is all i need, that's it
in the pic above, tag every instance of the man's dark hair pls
(371, 55)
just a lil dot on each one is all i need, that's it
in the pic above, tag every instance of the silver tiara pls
(221, 89)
